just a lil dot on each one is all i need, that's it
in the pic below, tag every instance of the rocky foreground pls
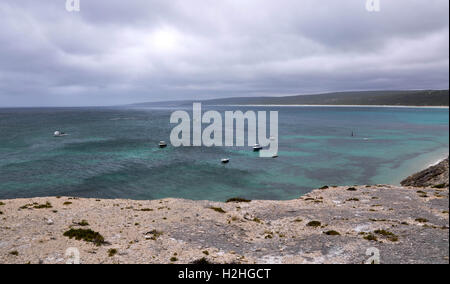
(329, 225)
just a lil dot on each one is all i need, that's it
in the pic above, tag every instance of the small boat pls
(225, 161)
(275, 156)
(257, 148)
(59, 134)
(162, 144)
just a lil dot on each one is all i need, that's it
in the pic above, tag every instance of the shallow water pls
(113, 153)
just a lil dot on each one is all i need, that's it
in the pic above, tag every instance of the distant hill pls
(389, 98)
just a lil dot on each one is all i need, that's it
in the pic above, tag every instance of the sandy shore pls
(330, 225)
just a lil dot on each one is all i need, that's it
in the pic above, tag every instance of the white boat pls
(162, 144)
(257, 148)
(225, 161)
(59, 134)
(275, 156)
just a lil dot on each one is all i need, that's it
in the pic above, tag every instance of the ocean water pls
(113, 153)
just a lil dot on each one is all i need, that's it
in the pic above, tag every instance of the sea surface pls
(113, 153)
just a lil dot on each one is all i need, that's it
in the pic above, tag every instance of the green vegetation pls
(325, 187)
(314, 224)
(370, 237)
(201, 261)
(67, 203)
(393, 98)
(14, 252)
(421, 220)
(146, 210)
(332, 233)
(257, 220)
(351, 189)
(268, 235)
(218, 209)
(443, 185)
(408, 98)
(154, 234)
(83, 223)
(112, 252)
(173, 259)
(238, 200)
(390, 236)
(2, 204)
(86, 235)
(353, 199)
(378, 220)
(43, 206)
(35, 205)
(205, 252)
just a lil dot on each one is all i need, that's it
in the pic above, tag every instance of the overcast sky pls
(118, 52)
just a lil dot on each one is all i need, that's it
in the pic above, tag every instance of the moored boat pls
(162, 144)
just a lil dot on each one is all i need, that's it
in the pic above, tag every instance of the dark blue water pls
(113, 153)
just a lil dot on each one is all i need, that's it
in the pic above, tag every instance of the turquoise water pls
(112, 153)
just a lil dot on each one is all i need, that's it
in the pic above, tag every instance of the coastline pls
(327, 225)
(361, 106)
(418, 164)
(438, 161)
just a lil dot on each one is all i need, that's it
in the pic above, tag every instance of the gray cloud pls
(115, 52)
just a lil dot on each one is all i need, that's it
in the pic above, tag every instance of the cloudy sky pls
(117, 52)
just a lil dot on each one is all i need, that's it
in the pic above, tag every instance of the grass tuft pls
(332, 233)
(353, 199)
(443, 185)
(146, 210)
(112, 252)
(86, 235)
(155, 234)
(83, 223)
(370, 237)
(238, 200)
(218, 209)
(201, 261)
(314, 224)
(389, 235)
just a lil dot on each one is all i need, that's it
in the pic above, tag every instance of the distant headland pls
(420, 98)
